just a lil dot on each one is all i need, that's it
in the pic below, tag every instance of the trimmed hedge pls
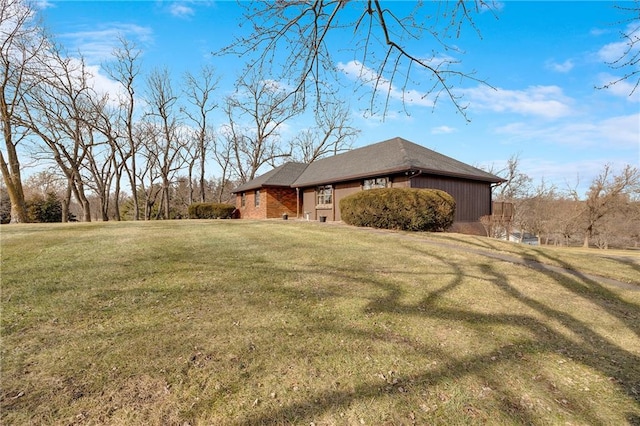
(409, 209)
(211, 211)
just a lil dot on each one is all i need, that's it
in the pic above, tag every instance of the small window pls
(325, 194)
(375, 183)
(243, 199)
(257, 198)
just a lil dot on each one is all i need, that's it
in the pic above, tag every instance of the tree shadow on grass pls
(592, 349)
(587, 287)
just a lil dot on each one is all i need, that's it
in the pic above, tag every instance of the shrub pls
(45, 210)
(409, 209)
(211, 211)
(5, 206)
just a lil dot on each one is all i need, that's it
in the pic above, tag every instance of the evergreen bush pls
(45, 210)
(211, 211)
(409, 209)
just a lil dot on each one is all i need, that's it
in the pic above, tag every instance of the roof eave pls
(398, 170)
(352, 177)
(464, 176)
(252, 187)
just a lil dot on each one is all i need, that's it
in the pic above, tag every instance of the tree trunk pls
(78, 190)
(134, 189)
(202, 181)
(66, 202)
(13, 182)
(116, 197)
(587, 235)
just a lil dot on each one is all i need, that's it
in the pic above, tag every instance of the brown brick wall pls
(250, 211)
(280, 201)
(274, 202)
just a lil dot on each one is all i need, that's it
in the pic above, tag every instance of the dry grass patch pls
(240, 322)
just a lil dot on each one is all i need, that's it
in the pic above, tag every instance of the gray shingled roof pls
(391, 156)
(283, 175)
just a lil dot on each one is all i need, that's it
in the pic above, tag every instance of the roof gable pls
(283, 175)
(391, 156)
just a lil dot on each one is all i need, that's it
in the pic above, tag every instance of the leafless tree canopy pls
(309, 33)
(22, 41)
(609, 214)
(609, 192)
(256, 114)
(331, 135)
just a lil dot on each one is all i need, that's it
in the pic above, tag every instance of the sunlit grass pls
(621, 265)
(241, 322)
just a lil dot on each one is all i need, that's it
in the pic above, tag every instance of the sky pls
(543, 62)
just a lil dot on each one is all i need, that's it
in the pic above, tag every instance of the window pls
(325, 194)
(257, 198)
(243, 199)
(375, 183)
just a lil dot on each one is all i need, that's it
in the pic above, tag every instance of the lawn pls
(286, 322)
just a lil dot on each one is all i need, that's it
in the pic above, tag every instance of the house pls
(313, 190)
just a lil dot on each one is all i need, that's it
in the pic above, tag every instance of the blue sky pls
(543, 60)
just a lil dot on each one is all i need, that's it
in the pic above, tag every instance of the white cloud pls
(103, 84)
(613, 51)
(440, 130)
(622, 88)
(43, 4)
(97, 45)
(541, 101)
(493, 6)
(277, 86)
(356, 70)
(599, 31)
(181, 10)
(622, 132)
(563, 67)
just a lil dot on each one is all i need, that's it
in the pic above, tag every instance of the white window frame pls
(324, 195)
(382, 182)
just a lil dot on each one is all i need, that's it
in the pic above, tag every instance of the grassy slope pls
(238, 322)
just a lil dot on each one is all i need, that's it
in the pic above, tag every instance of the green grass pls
(274, 322)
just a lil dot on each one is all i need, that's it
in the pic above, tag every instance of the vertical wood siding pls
(473, 199)
(342, 190)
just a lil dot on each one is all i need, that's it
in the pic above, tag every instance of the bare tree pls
(306, 31)
(168, 141)
(148, 176)
(517, 184)
(125, 70)
(199, 92)
(44, 182)
(22, 41)
(58, 109)
(256, 113)
(102, 159)
(606, 193)
(223, 155)
(536, 211)
(331, 135)
(630, 59)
